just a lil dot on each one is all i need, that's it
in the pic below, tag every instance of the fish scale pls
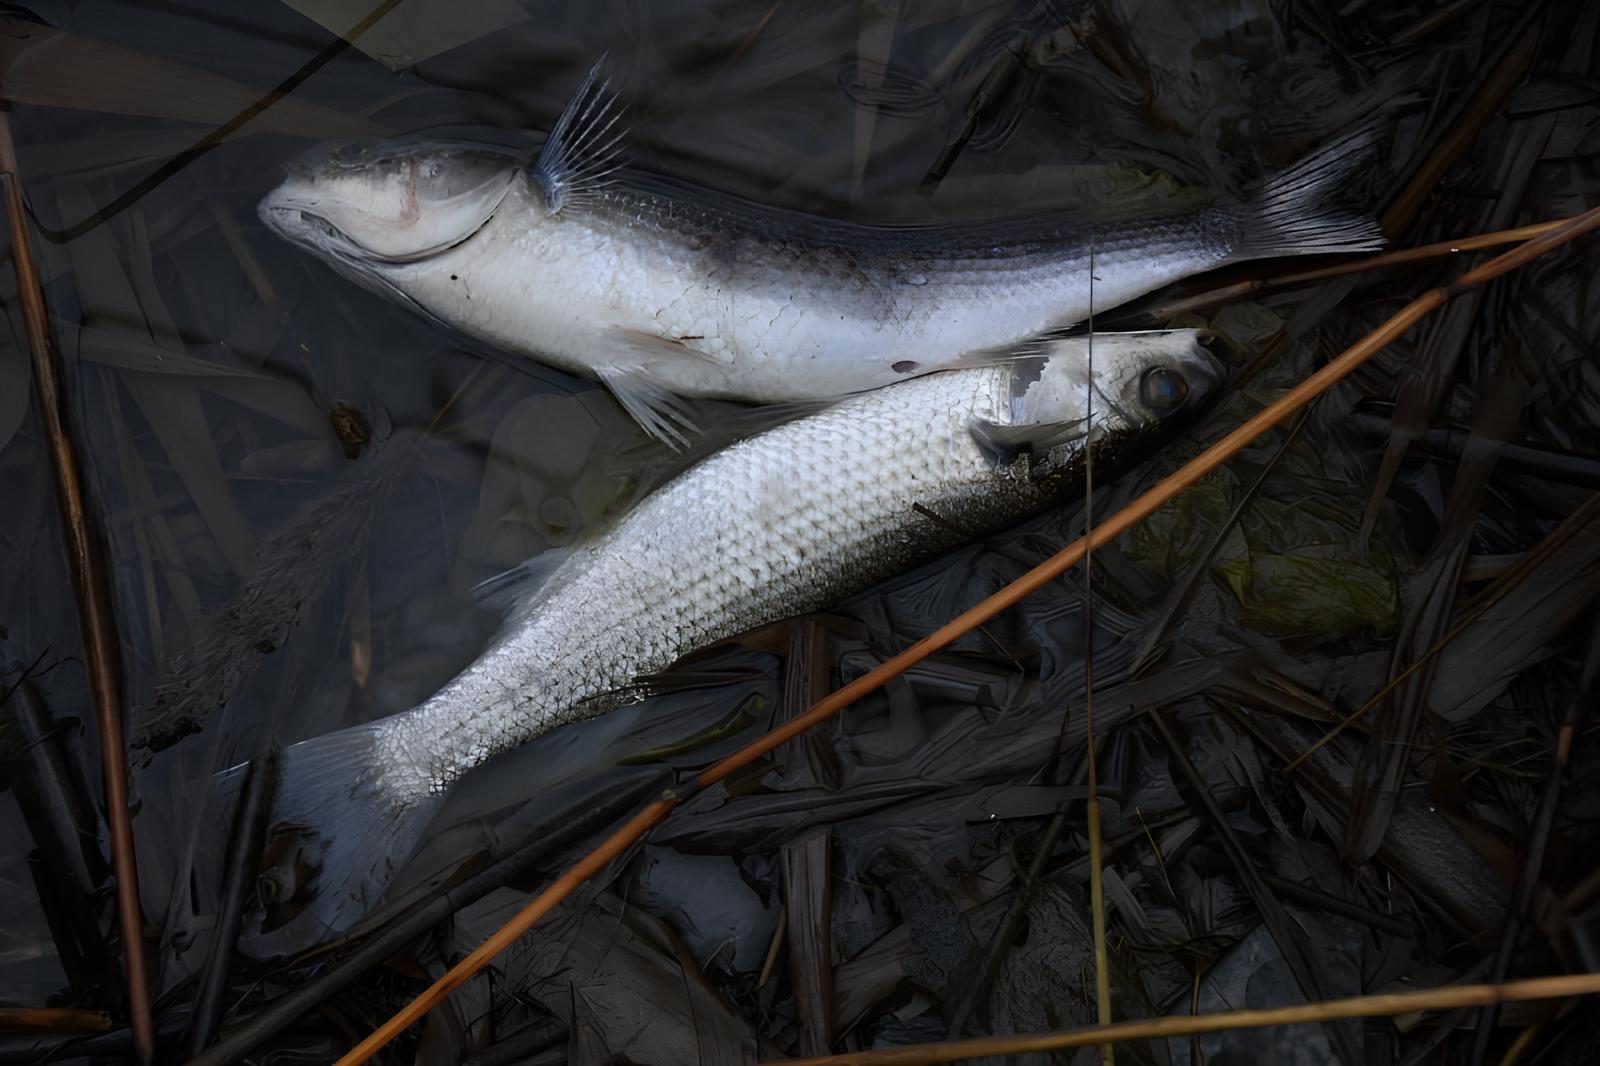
(786, 522)
(767, 528)
(660, 289)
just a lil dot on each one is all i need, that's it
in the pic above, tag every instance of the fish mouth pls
(1212, 350)
(298, 223)
(301, 225)
(295, 223)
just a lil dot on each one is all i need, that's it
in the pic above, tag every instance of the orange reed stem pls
(96, 619)
(1175, 1025)
(1041, 575)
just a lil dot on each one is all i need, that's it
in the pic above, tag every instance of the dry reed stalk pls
(96, 619)
(1046, 572)
(1177, 1025)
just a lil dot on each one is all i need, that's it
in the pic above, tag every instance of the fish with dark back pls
(963, 410)
(663, 290)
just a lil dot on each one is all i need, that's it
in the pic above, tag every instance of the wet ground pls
(300, 481)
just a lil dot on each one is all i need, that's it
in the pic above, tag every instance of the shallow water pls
(225, 386)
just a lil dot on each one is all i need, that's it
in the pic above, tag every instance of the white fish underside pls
(786, 522)
(609, 286)
(769, 528)
(660, 289)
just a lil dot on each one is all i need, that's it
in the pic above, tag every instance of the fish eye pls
(349, 153)
(1162, 391)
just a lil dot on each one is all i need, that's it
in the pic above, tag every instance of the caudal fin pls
(1307, 209)
(344, 819)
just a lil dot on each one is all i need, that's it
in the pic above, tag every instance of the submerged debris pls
(296, 564)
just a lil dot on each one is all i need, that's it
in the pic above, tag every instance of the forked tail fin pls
(1307, 209)
(344, 819)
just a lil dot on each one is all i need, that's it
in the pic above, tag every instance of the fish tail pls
(1306, 209)
(347, 812)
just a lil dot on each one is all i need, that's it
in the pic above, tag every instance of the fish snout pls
(290, 212)
(1210, 356)
(278, 211)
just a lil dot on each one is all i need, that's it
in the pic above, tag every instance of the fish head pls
(1119, 383)
(368, 203)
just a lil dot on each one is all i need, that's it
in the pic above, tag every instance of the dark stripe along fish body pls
(661, 290)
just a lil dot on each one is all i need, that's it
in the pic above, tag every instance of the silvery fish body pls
(661, 290)
(785, 522)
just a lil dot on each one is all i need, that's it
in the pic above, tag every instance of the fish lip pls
(297, 223)
(1207, 376)
(294, 220)
(346, 257)
(1212, 346)
(285, 215)
(1206, 367)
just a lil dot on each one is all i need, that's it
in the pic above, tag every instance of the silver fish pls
(785, 522)
(662, 290)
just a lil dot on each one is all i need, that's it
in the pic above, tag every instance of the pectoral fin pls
(1003, 444)
(512, 591)
(659, 412)
(656, 346)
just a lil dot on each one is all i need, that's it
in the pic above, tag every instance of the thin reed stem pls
(96, 620)
(1242, 290)
(1097, 883)
(1046, 572)
(1177, 1025)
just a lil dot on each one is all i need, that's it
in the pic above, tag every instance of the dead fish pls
(663, 290)
(788, 521)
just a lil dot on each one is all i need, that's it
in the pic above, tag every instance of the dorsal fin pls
(1004, 443)
(511, 592)
(583, 149)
